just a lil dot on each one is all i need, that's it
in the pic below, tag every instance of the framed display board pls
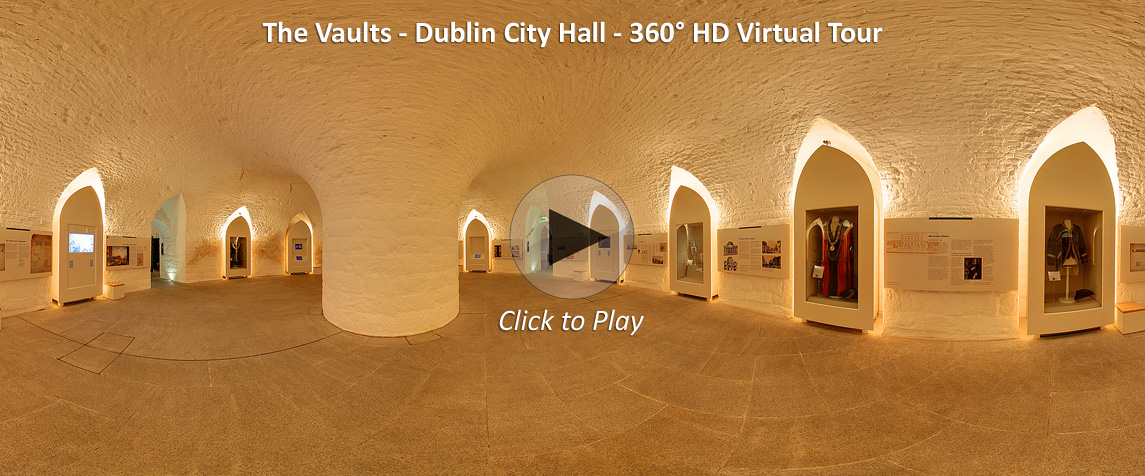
(26, 254)
(755, 250)
(502, 249)
(127, 252)
(651, 249)
(951, 254)
(1132, 269)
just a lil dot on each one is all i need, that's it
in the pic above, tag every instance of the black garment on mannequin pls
(1064, 244)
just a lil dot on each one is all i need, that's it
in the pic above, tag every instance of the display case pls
(690, 252)
(1073, 239)
(477, 247)
(691, 241)
(1072, 222)
(832, 248)
(236, 249)
(837, 220)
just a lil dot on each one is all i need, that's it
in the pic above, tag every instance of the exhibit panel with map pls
(26, 254)
(753, 250)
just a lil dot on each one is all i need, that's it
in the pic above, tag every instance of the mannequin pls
(1065, 248)
(838, 257)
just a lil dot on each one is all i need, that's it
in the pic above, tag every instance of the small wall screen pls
(81, 243)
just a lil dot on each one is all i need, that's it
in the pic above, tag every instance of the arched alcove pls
(78, 254)
(477, 247)
(237, 240)
(299, 248)
(606, 255)
(837, 230)
(170, 222)
(535, 249)
(691, 244)
(1071, 220)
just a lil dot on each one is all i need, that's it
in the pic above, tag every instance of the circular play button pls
(572, 237)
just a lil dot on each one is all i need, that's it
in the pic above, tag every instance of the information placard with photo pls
(756, 251)
(650, 249)
(928, 254)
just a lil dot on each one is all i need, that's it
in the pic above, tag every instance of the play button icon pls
(572, 237)
(567, 237)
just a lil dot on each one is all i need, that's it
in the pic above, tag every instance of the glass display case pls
(832, 246)
(1073, 239)
(238, 252)
(690, 252)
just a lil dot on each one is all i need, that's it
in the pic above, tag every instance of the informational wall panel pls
(1132, 251)
(127, 252)
(756, 251)
(501, 249)
(26, 254)
(651, 249)
(927, 254)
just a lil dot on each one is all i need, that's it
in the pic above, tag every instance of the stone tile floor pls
(246, 377)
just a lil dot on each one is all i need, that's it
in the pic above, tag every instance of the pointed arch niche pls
(692, 219)
(78, 253)
(300, 246)
(476, 243)
(237, 241)
(837, 227)
(1069, 208)
(170, 222)
(607, 258)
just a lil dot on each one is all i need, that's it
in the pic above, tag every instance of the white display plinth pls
(1130, 317)
(114, 291)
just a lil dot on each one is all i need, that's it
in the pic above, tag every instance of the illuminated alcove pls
(78, 251)
(837, 223)
(477, 246)
(170, 222)
(237, 240)
(1071, 229)
(299, 247)
(606, 256)
(691, 239)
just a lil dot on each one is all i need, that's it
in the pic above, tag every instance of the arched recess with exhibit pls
(837, 228)
(607, 257)
(237, 237)
(169, 240)
(476, 243)
(1069, 213)
(300, 245)
(536, 253)
(692, 222)
(78, 251)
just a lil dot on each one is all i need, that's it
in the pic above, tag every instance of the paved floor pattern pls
(247, 377)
